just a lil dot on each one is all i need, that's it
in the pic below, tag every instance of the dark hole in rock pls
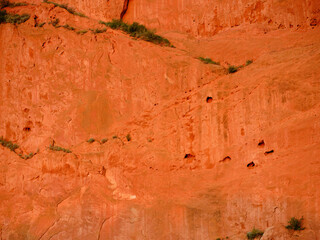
(261, 143)
(268, 152)
(27, 129)
(103, 171)
(188, 155)
(227, 158)
(209, 99)
(251, 164)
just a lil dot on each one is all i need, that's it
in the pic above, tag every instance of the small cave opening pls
(27, 129)
(209, 99)
(268, 152)
(35, 20)
(227, 158)
(251, 164)
(188, 155)
(261, 143)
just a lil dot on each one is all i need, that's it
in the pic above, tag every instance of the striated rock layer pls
(190, 152)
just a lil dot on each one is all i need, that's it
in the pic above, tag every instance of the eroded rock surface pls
(172, 164)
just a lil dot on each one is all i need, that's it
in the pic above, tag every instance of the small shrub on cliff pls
(138, 31)
(67, 26)
(295, 224)
(104, 140)
(65, 6)
(6, 3)
(13, 18)
(55, 23)
(8, 144)
(81, 32)
(248, 62)
(57, 148)
(232, 69)
(97, 30)
(254, 234)
(30, 155)
(208, 61)
(40, 24)
(91, 140)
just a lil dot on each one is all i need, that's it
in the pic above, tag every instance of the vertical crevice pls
(124, 9)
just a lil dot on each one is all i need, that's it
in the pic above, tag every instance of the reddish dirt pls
(183, 174)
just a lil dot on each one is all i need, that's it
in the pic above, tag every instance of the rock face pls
(182, 149)
(205, 17)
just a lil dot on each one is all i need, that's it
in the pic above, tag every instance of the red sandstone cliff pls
(183, 174)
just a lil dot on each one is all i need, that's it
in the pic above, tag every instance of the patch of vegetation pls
(57, 148)
(254, 234)
(232, 69)
(248, 62)
(55, 23)
(114, 137)
(6, 3)
(30, 155)
(91, 140)
(67, 26)
(208, 61)
(40, 24)
(97, 30)
(128, 137)
(81, 32)
(295, 224)
(66, 7)
(13, 18)
(104, 140)
(137, 30)
(8, 144)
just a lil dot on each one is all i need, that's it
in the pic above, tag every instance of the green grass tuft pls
(57, 148)
(104, 140)
(91, 140)
(295, 224)
(232, 69)
(55, 23)
(81, 32)
(67, 26)
(8, 144)
(6, 3)
(208, 61)
(248, 62)
(97, 30)
(40, 24)
(30, 155)
(137, 30)
(12, 18)
(254, 234)
(66, 7)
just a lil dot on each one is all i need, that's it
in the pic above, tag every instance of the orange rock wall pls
(183, 174)
(208, 17)
(205, 17)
